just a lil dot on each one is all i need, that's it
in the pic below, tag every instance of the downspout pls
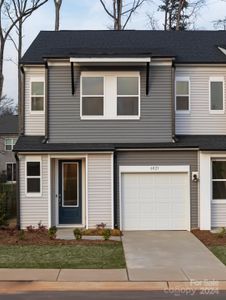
(18, 189)
(45, 140)
(22, 103)
(115, 190)
(173, 105)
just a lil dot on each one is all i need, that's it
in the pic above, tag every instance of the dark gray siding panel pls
(142, 158)
(65, 124)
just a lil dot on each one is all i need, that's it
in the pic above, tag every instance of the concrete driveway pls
(169, 256)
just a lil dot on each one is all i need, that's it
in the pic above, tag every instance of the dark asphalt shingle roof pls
(185, 46)
(9, 124)
(204, 142)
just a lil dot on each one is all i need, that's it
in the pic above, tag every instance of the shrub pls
(221, 233)
(52, 232)
(41, 227)
(3, 210)
(21, 235)
(101, 225)
(106, 234)
(30, 228)
(78, 233)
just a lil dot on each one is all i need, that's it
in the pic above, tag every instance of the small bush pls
(41, 227)
(106, 234)
(21, 235)
(101, 225)
(78, 233)
(52, 232)
(221, 233)
(30, 228)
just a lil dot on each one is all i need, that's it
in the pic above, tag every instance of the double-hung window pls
(37, 95)
(110, 95)
(216, 94)
(11, 172)
(127, 96)
(182, 94)
(33, 177)
(219, 180)
(92, 96)
(9, 143)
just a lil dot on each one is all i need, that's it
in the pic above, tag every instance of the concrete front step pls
(67, 234)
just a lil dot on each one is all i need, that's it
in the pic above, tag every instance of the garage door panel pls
(154, 201)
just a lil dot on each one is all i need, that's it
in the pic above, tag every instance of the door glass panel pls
(70, 184)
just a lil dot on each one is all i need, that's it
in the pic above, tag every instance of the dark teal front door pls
(70, 192)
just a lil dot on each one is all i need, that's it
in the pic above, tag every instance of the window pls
(92, 96)
(216, 95)
(37, 96)
(9, 143)
(219, 180)
(182, 94)
(110, 95)
(33, 172)
(11, 171)
(127, 96)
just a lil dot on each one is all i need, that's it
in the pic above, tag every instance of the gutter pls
(115, 190)
(18, 189)
(46, 103)
(173, 105)
(22, 103)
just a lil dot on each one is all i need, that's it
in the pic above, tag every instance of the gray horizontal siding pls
(65, 124)
(200, 120)
(146, 158)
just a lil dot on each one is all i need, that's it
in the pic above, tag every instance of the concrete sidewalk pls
(72, 275)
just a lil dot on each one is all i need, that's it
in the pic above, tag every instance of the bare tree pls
(58, 4)
(220, 24)
(7, 106)
(121, 12)
(152, 21)
(13, 14)
(178, 13)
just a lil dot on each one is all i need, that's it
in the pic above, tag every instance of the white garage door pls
(155, 201)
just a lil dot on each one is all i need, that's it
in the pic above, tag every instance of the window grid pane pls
(93, 86)
(219, 180)
(92, 106)
(37, 88)
(127, 106)
(216, 88)
(37, 103)
(127, 86)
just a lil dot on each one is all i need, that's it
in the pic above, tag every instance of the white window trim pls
(37, 79)
(216, 180)
(115, 74)
(216, 79)
(11, 144)
(78, 183)
(178, 78)
(10, 163)
(33, 159)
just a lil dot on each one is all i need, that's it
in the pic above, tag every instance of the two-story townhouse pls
(9, 129)
(127, 128)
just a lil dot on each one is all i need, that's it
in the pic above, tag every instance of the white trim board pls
(110, 60)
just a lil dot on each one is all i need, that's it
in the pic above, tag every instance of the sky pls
(89, 14)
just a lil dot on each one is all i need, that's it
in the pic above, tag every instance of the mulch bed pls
(209, 239)
(11, 236)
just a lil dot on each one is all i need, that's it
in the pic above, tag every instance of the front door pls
(70, 192)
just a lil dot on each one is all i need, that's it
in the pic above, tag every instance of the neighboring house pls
(9, 130)
(127, 128)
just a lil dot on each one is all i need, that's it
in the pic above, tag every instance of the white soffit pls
(110, 59)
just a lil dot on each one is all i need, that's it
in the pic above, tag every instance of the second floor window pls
(110, 95)
(37, 96)
(216, 95)
(182, 95)
(9, 143)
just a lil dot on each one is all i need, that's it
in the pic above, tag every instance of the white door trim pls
(156, 169)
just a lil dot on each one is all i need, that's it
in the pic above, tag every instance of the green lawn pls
(66, 256)
(220, 252)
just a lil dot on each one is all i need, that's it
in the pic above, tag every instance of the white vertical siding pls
(218, 215)
(200, 120)
(100, 194)
(34, 209)
(34, 123)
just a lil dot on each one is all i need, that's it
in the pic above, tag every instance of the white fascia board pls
(223, 50)
(110, 59)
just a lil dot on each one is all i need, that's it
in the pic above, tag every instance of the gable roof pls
(9, 124)
(185, 46)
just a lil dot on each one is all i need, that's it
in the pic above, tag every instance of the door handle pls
(59, 198)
